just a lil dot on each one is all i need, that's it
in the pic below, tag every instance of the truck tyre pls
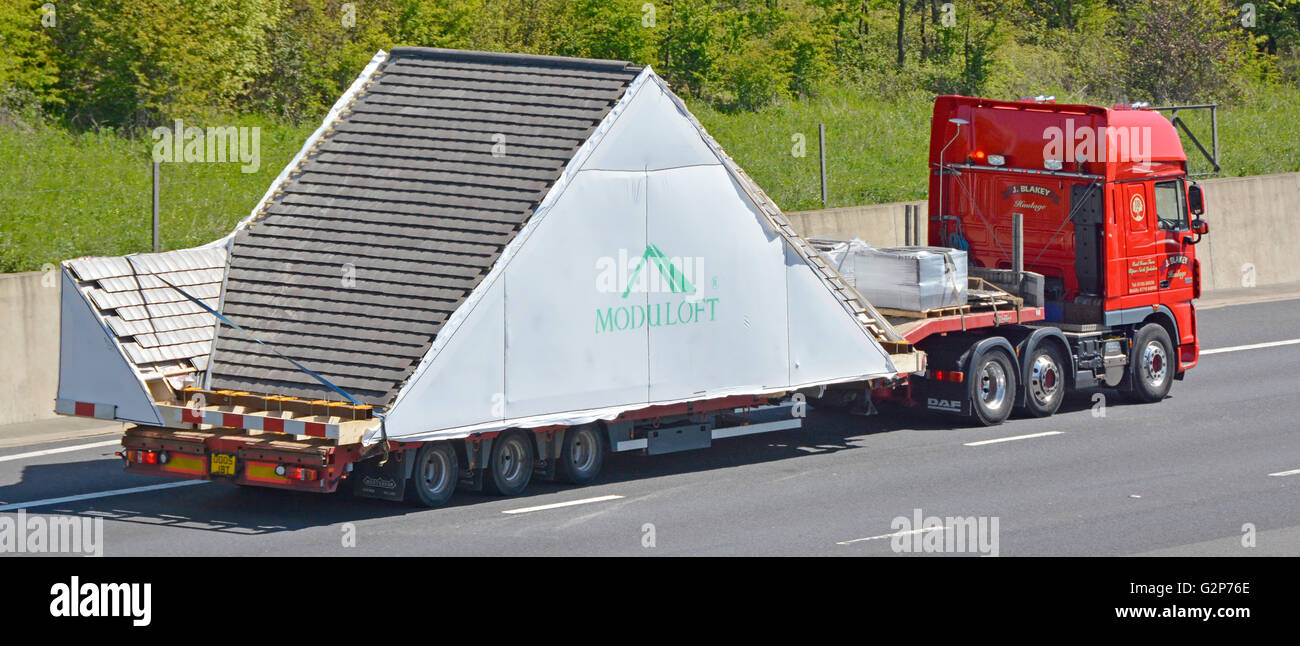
(510, 465)
(1150, 372)
(582, 455)
(434, 475)
(992, 387)
(1045, 381)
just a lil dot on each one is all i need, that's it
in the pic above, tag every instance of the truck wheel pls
(992, 386)
(1150, 372)
(582, 455)
(510, 466)
(434, 475)
(1045, 381)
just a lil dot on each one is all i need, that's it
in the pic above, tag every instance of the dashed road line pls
(1013, 438)
(61, 449)
(1252, 346)
(558, 505)
(99, 494)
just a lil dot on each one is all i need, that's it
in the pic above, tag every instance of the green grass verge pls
(65, 195)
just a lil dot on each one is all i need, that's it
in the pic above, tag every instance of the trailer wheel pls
(582, 455)
(1150, 373)
(992, 387)
(434, 475)
(1045, 381)
(510, 466)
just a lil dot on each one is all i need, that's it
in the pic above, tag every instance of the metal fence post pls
(155, 207)
(821, 145)
(1214, 130)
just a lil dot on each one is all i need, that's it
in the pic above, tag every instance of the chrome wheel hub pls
(1044, 379)
(1155, 365)
(993, 385)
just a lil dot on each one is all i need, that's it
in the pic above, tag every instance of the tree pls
(28, 72)
(689, 43)
(317, 47)
(902, 30)
(611, 29)
(128, 63)
(1184, 50)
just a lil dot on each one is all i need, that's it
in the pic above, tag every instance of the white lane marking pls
(1292, 472)
(876, 538)
(62, 449)
(99, 494)
(557, 505)
(1012, 438)
(1253, 346)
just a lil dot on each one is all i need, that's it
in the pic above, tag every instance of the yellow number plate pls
(223, 464)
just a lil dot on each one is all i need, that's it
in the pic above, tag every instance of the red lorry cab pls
(1108, 212)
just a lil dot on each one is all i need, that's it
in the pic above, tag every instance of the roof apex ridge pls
(507, 58)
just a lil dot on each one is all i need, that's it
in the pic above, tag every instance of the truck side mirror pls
(1199, 227)
(1195, 200)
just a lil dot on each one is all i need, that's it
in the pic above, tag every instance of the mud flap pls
(387, 482)
(942, 397)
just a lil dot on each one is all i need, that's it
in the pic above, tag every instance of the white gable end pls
(647, 277)
(651, 134)
(91, 366)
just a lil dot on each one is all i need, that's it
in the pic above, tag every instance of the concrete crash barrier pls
(29, 342)
(1246, 246)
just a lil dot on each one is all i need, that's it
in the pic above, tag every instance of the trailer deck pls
(987, 306)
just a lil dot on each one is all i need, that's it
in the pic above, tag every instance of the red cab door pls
(1173, 237)
(1135, 216)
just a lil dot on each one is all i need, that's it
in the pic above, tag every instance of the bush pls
(751, 76)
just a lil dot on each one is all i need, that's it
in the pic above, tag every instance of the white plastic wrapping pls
(905, 278)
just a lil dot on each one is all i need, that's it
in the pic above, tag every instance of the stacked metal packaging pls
(903, 278)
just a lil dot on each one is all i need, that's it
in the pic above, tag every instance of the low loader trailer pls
(410, 311)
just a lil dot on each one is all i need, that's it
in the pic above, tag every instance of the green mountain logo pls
(671, 275)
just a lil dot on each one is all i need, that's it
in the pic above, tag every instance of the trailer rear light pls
(302, 473)
(1053, 164)
(953, 376)
(144, 457)
(997, 160)
(979, 156)
(296, 473)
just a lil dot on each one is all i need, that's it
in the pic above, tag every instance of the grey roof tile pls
(405, 198)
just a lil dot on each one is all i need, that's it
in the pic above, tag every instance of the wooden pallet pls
(925, 314)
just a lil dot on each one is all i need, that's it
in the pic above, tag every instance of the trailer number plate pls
(223, 464)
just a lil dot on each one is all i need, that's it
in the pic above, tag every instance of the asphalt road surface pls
(1217, 461)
